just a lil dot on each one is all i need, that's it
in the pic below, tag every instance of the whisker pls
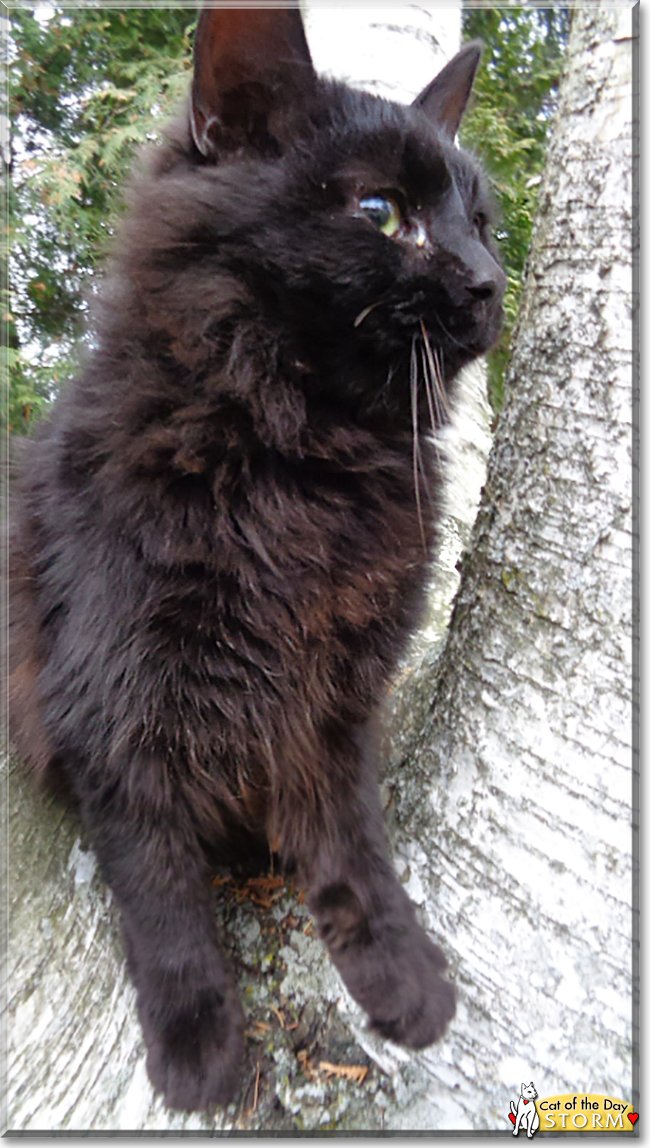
(441, 360)
(436, 416)
(389, 378)
(380, 396)
(429, 396)
(440, 382)
(417, 460)
(366, 311)
(449, 334)
(436, 375)
(432, 397)
(430, 375)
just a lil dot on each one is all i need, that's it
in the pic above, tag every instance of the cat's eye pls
(383, 212)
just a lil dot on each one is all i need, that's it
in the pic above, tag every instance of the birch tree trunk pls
(514, 790)
(509, 783)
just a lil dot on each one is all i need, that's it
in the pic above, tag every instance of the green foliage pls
(86, 87)
(508, 125)
(91, 83)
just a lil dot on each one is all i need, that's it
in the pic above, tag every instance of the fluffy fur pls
(224, 529)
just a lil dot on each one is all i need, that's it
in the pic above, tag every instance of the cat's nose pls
(487, 280)
(486, 290)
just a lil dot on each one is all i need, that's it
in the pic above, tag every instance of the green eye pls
(383, 212)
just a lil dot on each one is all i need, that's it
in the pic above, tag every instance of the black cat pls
(225, 528)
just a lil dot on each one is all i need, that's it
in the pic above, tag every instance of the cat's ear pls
(251, 66)
(444, 100)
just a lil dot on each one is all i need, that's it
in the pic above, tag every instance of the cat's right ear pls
(445, 99)
(252, 70)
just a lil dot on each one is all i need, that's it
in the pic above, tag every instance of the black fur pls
(223, 531)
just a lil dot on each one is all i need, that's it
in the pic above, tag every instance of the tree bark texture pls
(514, 790)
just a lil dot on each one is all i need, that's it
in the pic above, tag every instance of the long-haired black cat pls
(225, 528)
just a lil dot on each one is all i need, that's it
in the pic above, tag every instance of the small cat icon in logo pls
(524, 1114)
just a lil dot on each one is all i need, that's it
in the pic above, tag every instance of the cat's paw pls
(195, 1056)
(411, 1003)
(390, 966)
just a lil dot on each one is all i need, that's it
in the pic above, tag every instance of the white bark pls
(393, 51)
(515, 793)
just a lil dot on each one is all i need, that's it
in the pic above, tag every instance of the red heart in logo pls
(633, 1117)
(511, 1117)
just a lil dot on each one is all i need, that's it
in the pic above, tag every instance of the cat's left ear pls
(252, 71)
(445, 99)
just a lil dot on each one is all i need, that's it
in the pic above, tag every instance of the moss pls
(510, 577)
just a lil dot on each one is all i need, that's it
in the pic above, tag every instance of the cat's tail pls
(513, 1108)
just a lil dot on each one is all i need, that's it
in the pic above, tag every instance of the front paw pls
(407, 999)
(389, 965)
(195, 1054)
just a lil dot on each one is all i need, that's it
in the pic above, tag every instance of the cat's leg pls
(366, 919)
(145, 841)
